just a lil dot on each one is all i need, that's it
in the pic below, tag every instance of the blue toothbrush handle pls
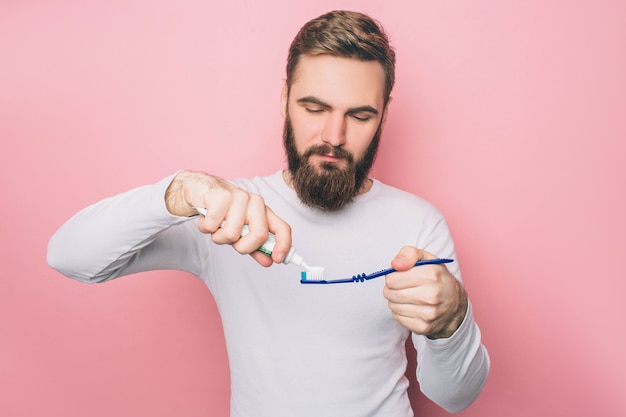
(418, 263)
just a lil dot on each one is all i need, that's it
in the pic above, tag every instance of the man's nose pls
(334, 132)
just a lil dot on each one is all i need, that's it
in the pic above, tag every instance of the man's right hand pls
(228, 209)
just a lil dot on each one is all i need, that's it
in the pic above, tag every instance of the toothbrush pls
(315, 272)
(313, 279)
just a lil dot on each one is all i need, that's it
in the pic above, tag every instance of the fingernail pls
(280, 257)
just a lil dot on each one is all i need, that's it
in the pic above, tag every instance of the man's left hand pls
(426, 299)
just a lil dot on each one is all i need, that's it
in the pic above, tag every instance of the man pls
(307, 350)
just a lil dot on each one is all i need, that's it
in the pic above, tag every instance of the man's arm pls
(113, 237)
(452, 363)
(145, 229)
(453, 371)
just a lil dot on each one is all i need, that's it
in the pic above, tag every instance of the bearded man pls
(302, 350)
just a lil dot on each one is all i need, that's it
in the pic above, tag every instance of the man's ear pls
(385, 112)
(284, 98)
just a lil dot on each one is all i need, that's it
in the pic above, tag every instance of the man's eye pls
(314, 109)
(360, 117)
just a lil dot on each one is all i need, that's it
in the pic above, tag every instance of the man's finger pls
(408, 256)
(282, 233)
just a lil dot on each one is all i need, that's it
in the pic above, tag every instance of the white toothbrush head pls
(312, 273)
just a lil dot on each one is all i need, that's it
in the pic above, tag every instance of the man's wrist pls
(174, 196)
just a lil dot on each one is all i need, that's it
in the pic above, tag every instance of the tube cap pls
(293, 258)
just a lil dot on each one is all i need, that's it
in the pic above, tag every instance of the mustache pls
(329, 150)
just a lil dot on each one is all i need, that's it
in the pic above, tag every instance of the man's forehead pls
(340, 79)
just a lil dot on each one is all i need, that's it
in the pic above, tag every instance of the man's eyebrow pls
(360, 109)
(313, 100)
(352, 110)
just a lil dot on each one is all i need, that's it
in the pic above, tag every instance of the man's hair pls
(344, 34)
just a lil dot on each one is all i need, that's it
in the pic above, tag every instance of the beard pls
(330, 186)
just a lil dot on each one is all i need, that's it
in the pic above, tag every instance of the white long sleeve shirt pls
(294, 349)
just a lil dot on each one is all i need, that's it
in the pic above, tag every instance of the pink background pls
(507, 115)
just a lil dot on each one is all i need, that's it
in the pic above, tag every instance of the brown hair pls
(344, 34)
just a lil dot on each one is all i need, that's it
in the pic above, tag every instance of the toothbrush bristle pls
(314, 273)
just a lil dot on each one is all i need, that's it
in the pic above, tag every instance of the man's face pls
(334, 114)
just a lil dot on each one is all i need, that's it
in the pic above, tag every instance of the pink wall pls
(508, 115)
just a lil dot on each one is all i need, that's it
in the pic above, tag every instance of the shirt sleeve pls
(124, 234)
(452, 372)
